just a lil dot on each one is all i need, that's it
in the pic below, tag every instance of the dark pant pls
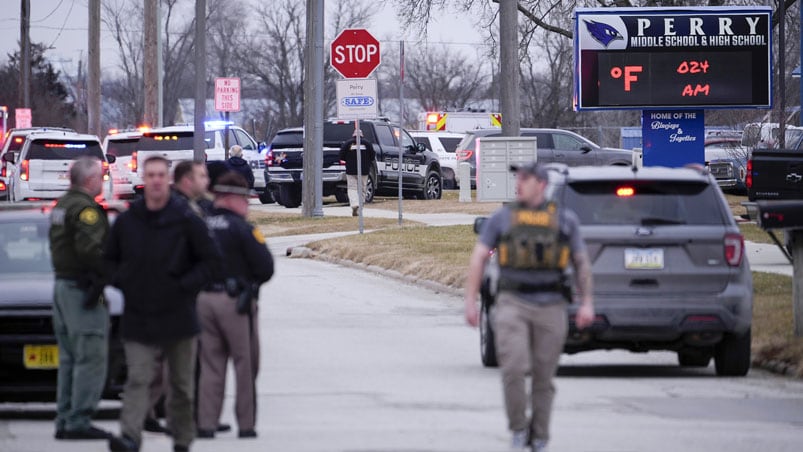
(82, 336)
(142, 360)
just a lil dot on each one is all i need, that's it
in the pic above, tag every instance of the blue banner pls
(673, 138)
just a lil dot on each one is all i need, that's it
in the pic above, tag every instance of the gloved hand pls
(94, 293)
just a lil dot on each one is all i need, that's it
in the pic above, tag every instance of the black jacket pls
(240, 165)
(245, 254)
(161, 260)
(350, 156)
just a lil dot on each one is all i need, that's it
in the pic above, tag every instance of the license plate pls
(41, 356)
(644, 258)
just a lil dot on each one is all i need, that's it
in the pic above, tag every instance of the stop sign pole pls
(355, 55)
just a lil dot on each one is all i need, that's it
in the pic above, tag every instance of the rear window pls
(450, 144)
(644, 203)
(63, 149)
(24, 248)
(172, 141)
(122, 148)
(335, 134)
(288, 140)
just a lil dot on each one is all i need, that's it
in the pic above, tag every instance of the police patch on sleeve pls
(258, 236)
(89, 216)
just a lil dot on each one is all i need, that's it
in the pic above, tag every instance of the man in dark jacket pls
(348, 153)
(162, 255)
(237, 163)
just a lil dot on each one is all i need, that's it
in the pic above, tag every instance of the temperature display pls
(619, 79)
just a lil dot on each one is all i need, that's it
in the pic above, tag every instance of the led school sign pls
(646, 58)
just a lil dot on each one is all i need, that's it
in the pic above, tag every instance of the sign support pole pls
(401, 123)
(358, 135)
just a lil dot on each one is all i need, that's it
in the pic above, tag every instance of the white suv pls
(175, 143)
(41, 170)
(444, 144)
(122, 145)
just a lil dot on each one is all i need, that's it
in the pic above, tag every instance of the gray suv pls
(554, 145)
(668, 264)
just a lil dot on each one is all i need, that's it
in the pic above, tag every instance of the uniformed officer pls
(535, 240)
(190, 181)
(227, 312)
(80, 318)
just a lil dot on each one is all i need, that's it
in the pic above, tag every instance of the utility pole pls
(25, 55)
(93, 70)
(509, 67)
(200, 81)
(312, 185)
(149, 72)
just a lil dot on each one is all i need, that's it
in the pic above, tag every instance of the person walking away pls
(229, 326)
(348, 153)
(78, 232)
(237, 163)
(162, 254)
(535, 239)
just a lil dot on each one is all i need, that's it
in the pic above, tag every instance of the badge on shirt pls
(89, 216)
(258, 236)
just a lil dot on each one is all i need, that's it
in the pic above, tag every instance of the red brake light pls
(625, 191)
(748, 178)
(24, 170)
(3, 170)
(2, 186)
(105, 165)
(132, 164)
(734, 249)
(464, 154)
(269, 158)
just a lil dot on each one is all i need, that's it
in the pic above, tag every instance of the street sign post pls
(356, 98)
(355, 53)
(227, 99)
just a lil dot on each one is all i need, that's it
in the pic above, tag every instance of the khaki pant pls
(351, 181)
(529, 338)
(142, 360)
(225, 335)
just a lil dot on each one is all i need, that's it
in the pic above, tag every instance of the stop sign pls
(355, 53)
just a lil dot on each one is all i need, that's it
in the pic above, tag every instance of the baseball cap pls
(533, 168)
(231, 183)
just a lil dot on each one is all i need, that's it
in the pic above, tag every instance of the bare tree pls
(177, 55)
(124, 95)
(440, 79)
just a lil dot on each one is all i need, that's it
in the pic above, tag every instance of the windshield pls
(24, 248)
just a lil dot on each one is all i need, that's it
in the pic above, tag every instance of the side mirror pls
(585, 149)
(111, 158)
(8, 157)
(479, 223)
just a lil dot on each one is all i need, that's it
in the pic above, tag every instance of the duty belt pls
(505, 284)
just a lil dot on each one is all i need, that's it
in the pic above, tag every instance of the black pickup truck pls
(421, 170)
(775, 174)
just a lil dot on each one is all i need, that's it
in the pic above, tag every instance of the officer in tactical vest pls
(227, 310)
(80, 318)
(536, 240)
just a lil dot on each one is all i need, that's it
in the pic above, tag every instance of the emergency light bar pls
(65, 145)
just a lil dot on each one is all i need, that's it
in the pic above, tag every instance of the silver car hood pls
(26, 290)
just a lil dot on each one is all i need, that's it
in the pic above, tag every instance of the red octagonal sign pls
(355, 53)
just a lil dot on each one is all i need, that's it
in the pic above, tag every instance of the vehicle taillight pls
(269, 158)
(132, 164)
(464, 154)
(748, 178)
(24, 170)
(106, 175)
(3, 169)
(734, 249)
(2, 186)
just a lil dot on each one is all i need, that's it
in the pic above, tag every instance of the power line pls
(67, 17)
(50, 13)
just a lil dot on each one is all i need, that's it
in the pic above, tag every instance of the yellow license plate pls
(41, 356)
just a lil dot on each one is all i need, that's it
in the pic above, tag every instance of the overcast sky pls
(62, 24)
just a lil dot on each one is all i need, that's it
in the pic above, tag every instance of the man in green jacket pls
(78, 230)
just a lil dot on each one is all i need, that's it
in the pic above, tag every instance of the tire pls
(290, 196)
(433, 187)
(265, 197)
(694, 358)
(341, 195)
(370, 187)
(487, 338)
(732, 355)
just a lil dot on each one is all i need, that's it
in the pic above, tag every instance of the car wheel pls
(732, 355)
(694, 358)
(341, 195)
(290, 195)
(370, 188)
(487, 339)
(433, 188)
(265, 197)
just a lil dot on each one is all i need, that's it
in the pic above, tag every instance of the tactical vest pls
(533, 253)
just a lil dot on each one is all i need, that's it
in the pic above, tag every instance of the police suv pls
(420, 168)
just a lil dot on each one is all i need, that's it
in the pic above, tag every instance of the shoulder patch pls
(89, 216)
(258, 236)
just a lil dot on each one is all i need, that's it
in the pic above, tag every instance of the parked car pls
(444, 145)
(554, 145)
(41, 168)
(726, 158)
(14, 140)
(668, 265)
(28, 348)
